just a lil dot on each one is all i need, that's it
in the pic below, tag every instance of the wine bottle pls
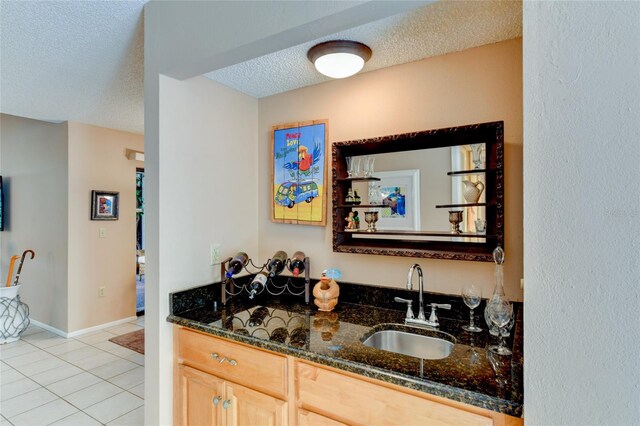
(236, 264)
(277, 262)
(356, 198)
(297, 263)
(257, 284)
(257, 317)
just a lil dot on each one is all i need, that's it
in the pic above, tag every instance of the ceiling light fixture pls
(339, 58)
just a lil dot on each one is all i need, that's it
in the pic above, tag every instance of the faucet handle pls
(441, 305)
(409, 303)
(433, 318)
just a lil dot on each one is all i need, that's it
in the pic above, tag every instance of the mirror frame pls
(492, 134)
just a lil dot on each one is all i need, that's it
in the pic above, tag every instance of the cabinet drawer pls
(345, 398)
(251, 367)
(308, 418)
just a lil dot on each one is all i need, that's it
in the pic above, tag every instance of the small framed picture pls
(400, 191)
(104, 205)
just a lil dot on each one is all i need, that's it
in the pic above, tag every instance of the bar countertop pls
(285, 324)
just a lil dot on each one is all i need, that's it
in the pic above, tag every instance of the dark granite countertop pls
(470, 374)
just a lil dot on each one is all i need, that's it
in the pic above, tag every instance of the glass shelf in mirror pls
(358, 179)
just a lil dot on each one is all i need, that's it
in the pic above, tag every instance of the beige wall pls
(97, 160)
(49, 172)
(34, 170)
(473, 86)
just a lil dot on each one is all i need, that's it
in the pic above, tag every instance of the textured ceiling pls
(73, 60)
(439, 28)
(83, 60)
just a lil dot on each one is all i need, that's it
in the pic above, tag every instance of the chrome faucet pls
(413, 267)
(421, 320)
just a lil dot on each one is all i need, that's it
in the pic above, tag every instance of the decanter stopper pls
(498, 256)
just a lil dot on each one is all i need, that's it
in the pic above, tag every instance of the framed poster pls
(299, 173)
(104, 205)
(400, 190)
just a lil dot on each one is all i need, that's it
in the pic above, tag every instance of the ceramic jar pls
(326, 293)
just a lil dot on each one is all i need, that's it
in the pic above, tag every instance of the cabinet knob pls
(226, 403)
(215, 355)
(232, 362)
(216, 400)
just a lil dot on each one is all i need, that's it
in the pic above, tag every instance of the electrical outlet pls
(101, 232)
(100, 291)
(214, 254)
(521, 283)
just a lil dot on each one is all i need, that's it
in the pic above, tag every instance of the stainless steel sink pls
(419, 346)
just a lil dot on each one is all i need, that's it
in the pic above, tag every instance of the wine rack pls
(230, 288)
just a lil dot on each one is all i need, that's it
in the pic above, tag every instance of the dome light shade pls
(339, 58)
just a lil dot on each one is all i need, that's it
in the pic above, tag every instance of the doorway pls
(140, 255)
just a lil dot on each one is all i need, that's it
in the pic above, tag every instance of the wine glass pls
(455, 217)
(368, 162)
(501, 313)
(349, 161)
(371, 218)
(471, 295)
(353, 164)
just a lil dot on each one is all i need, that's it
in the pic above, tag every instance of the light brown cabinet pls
(249, 407)
(220, 382)
(194, 405)
(204, 399)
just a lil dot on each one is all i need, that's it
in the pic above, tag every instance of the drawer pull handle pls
(216, 401)
(220, 359)
(226, 403)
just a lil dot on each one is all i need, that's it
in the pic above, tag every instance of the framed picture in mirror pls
(400, 192)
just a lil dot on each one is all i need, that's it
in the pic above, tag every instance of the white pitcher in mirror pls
(472, 190)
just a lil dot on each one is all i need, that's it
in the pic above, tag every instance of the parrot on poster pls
(305, 160)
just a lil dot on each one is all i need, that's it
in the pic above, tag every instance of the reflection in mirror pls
(413, 183)
(437, 193)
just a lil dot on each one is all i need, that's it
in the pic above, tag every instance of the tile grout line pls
(128, 412)
(63, 398)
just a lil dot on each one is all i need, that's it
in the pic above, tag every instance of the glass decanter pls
(498, 295)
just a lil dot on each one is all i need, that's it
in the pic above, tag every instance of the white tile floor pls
(49, 380)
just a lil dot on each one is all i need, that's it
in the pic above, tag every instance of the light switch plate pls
(102, 232)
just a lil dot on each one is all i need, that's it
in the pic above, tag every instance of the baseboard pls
(84, 330)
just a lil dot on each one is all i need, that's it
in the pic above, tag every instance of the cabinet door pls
(199, 399)
(246, 407)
